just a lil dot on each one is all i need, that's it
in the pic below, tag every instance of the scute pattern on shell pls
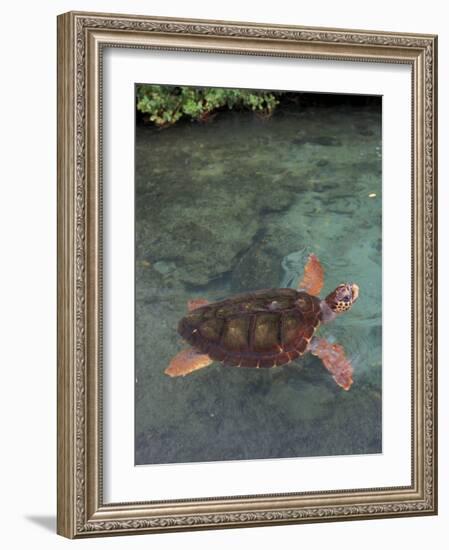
(266, 328)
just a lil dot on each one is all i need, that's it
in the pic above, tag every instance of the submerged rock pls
(164, 267)
(198, 226)
(293, 266)
(258, 268)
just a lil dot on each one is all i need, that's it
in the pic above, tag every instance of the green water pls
(236, 204)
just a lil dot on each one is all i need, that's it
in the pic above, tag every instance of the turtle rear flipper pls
(187, 361)
(335, 361)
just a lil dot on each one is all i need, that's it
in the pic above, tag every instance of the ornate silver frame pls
(81, 38)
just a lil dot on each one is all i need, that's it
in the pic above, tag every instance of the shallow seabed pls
(236, 204)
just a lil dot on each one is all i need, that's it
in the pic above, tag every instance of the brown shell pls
(259, 329)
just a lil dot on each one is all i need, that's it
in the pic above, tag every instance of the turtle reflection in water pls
(267, 328)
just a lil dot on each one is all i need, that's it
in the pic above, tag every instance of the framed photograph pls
(246, 274)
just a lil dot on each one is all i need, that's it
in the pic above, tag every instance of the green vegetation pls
(165, 105)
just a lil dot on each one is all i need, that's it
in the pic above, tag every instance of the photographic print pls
(258, 274)
(246, 274)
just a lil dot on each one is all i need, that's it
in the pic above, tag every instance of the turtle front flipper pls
(187, 361)
(335, 361)
(313, 279)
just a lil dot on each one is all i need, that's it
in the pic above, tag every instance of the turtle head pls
(342, 298)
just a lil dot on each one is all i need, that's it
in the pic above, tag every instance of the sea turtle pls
(266, 328)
